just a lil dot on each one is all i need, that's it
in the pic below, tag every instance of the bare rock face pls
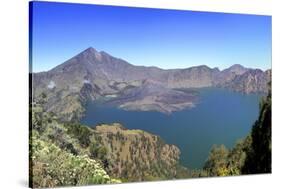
(194, 77)
(91, 75)
(227, 75)
(250, 81)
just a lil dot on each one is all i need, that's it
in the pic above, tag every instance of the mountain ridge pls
(92, 49)
(91, 75)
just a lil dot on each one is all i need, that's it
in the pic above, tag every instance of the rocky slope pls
(151, 96)
(92, 75)
(251, 81)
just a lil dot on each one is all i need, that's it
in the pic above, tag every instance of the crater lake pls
(221, 116)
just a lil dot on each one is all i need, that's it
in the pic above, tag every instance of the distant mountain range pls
(93, 75)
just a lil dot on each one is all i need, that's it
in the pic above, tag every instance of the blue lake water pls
(220, 117)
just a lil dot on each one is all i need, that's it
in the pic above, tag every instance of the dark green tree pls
(259, 155)
(82, 133)
(93, 148)
(217, 160)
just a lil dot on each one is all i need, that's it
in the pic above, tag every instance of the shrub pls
(51, 167)
(80, 132)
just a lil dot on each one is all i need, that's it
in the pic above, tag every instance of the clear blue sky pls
(150, 37)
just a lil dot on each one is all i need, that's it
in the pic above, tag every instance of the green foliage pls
(259, 155)
(98, 151)
(39, 118)
(80, 132)
(42, 98)
(58, 153)
(224, 162)
(43, 95)
(93, 149)
(183, 172)
(237, 156)
(77, 140)
(217, 160)
(102, 151)
(53, 167)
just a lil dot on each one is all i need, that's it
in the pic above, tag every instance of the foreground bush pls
(51, 166)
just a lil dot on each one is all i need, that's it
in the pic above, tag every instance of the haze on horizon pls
(150, 37)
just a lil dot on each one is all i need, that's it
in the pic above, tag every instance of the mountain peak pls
(90, 50)
(237, 66)
(237, 69)
(90, 54)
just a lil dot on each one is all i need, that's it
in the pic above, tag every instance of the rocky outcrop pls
(250, 81)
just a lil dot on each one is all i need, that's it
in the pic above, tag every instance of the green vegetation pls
(80, 132)
(52, 166)
(224, 162)
(134, 155)
(59, 154)
(97, 151)
(217, 161)
(259, 155)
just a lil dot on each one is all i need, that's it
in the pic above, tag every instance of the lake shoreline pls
(220, 117)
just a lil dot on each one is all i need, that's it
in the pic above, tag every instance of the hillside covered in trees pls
(68, 153)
